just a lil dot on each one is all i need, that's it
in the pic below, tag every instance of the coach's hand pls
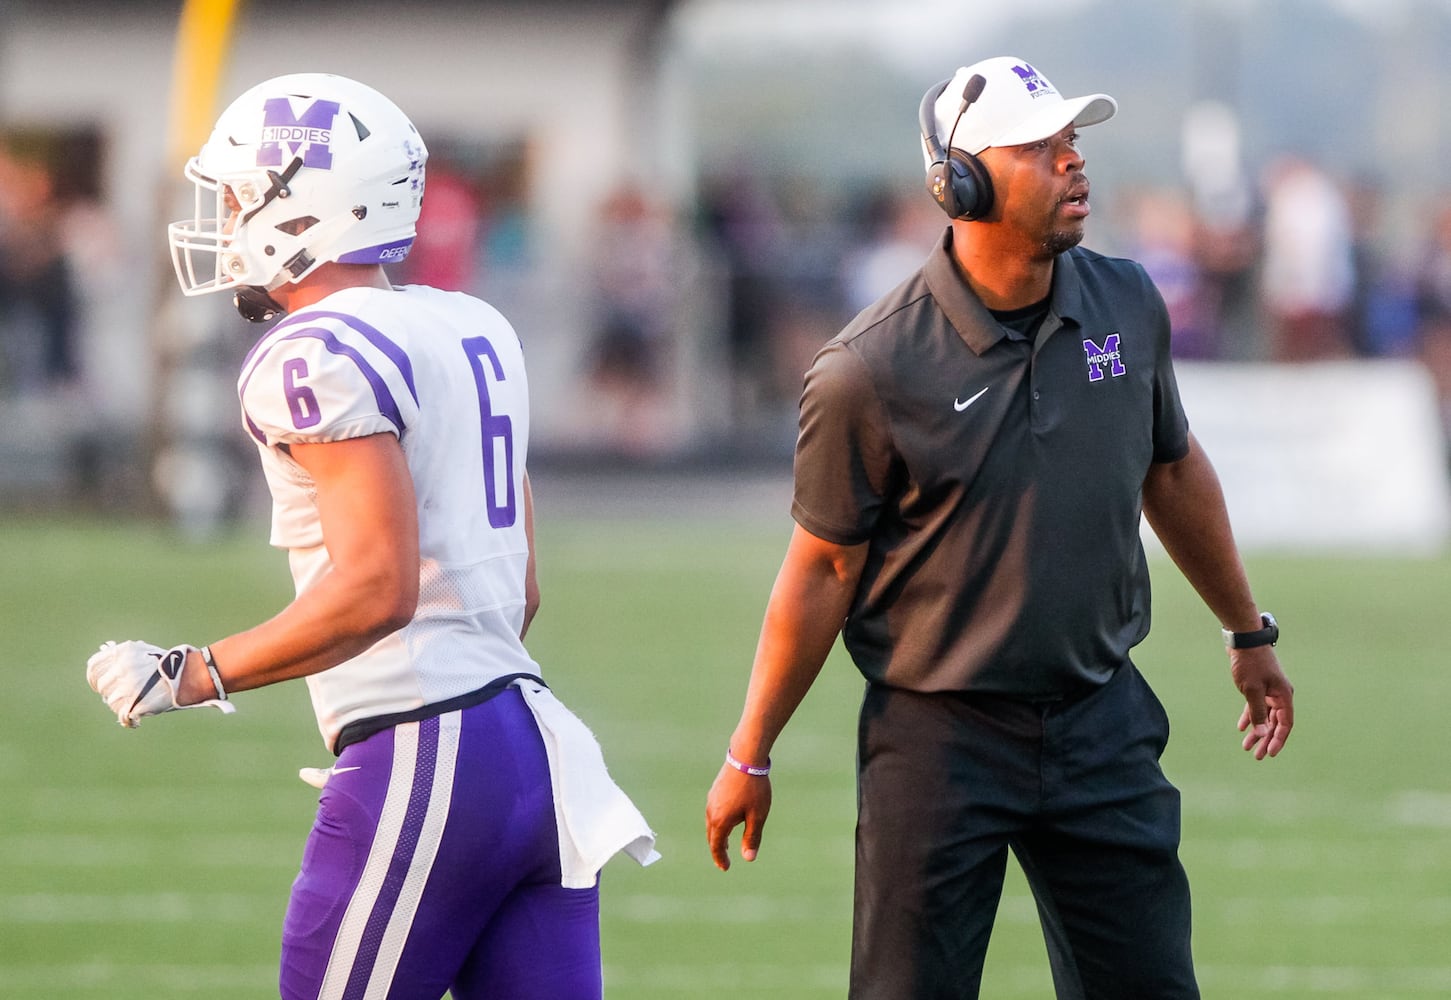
(137, 679)
(736, 798)
(1269, 700)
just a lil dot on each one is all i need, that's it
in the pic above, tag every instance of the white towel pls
(595, 818)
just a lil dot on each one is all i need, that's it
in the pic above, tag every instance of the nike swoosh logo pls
(961, 404)
(340, 770)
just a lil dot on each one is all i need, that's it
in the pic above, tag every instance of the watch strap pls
(1266, 636)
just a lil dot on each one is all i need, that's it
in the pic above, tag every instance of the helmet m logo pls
(308, 135)
(1106, 356)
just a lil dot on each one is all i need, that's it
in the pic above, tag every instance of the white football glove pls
(137, 679)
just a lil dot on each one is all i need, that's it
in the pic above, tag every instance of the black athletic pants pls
(949, 782)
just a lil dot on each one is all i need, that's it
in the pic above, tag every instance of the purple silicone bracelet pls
(744, 768)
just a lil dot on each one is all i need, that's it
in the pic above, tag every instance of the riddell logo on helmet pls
(1035, 84)
(308, 135)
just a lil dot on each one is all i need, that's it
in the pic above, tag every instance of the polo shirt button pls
(1036, 394)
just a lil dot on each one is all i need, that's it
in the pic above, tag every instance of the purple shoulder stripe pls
(388, 407)
(373, 335)
(253, 429)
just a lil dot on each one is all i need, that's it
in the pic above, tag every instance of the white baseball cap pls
(1016, 105)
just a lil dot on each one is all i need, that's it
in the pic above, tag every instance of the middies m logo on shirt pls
(1103, 356)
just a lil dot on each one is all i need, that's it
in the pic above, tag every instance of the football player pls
(460, 833)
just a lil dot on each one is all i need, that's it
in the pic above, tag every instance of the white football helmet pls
(299, 170)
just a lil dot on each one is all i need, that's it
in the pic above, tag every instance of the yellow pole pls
(202, 37)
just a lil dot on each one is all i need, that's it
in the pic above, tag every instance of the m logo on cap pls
(309, 135)
(1035, 84)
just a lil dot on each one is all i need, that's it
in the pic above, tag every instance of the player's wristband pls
(751, 769)
(206, 652)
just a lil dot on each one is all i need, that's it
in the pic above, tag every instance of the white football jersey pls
(444, 372)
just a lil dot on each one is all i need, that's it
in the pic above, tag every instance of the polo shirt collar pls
(971, 319)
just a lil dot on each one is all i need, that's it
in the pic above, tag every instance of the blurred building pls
(538, 111)
(763, 141)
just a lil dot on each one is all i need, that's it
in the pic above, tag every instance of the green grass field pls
(156, 863)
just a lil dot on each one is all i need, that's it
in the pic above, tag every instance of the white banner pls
(1336, 456)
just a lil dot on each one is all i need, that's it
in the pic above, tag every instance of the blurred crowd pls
(39, 299)
(1307, 268)
(58, 258)
(1298, 265)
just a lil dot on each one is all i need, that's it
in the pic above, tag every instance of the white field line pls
(1321, 911)
(1421, 854)
(685, 979)
(1028, 980)
(1399, 807)
(1361, 981)
(131, 908)
(1345, 911)
(1421, 808)
(99, 850)
(1328, 911)
(154, 978)
(743, 909)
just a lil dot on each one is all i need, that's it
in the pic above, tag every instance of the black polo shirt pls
(998, 480)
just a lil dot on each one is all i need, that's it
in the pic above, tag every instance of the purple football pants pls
(433, 865)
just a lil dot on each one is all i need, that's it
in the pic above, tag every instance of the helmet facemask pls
(233, 202)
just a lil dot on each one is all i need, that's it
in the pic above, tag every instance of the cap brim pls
(1080, 111)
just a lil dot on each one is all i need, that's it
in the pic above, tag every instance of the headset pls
(957, 180)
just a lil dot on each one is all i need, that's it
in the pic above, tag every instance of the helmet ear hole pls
(297, 226)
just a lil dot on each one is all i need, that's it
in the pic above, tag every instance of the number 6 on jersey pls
(494, 427)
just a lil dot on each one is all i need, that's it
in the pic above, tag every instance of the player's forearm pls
(335, 620)
(368, 513)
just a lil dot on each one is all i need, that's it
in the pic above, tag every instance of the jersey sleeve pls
(1171, 424)
(844, 455)
(315, 382)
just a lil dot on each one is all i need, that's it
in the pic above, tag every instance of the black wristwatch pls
(1267, 636)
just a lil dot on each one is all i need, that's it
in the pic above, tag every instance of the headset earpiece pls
(970, 184)
(956, 179)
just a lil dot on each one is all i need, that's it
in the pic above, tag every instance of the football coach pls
(975, 452)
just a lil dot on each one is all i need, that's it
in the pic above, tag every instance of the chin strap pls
(252, 301)
(255, 305)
